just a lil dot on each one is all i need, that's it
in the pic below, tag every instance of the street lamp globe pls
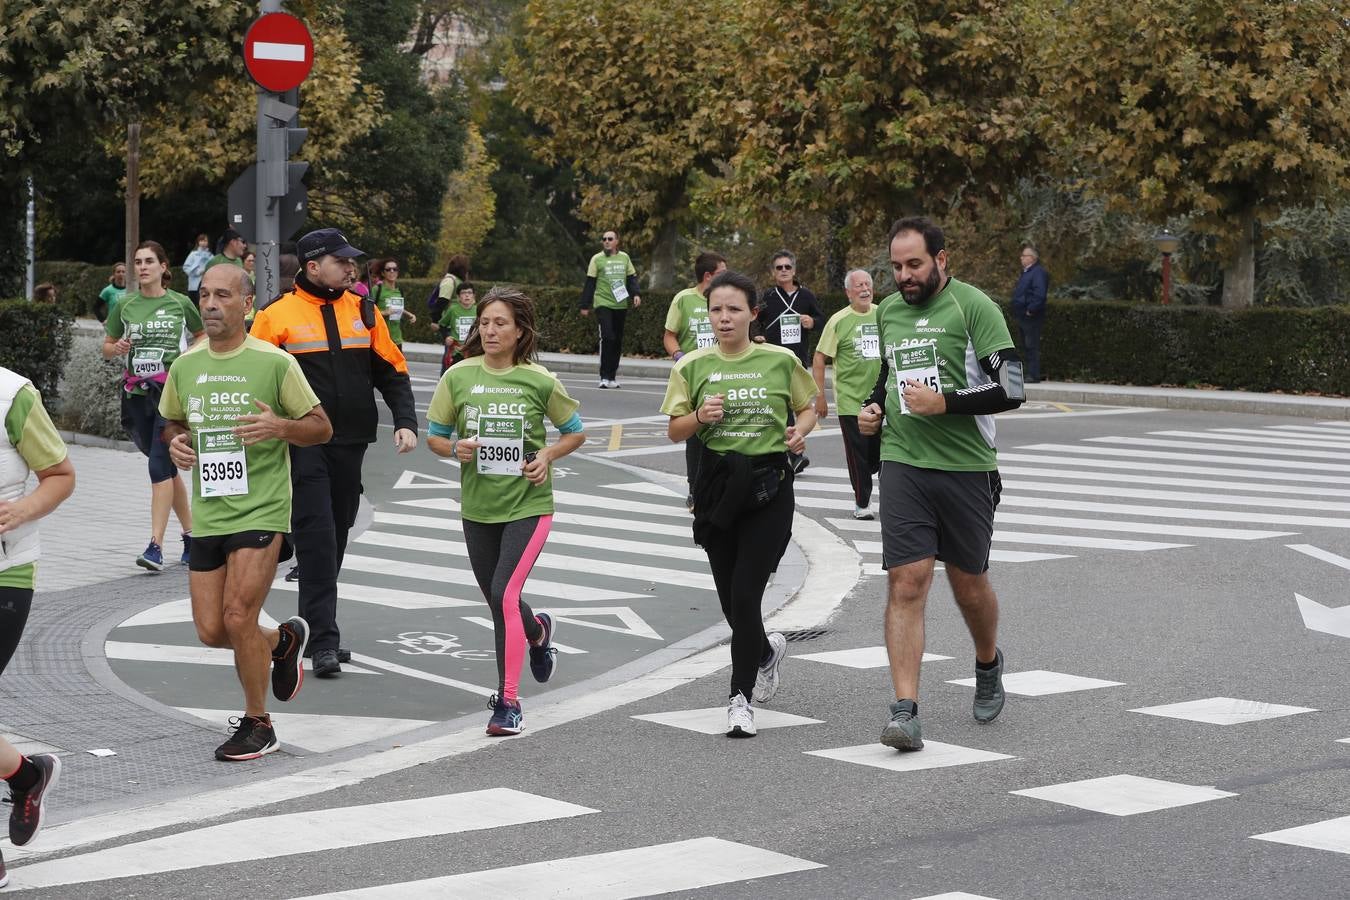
(1167, 242)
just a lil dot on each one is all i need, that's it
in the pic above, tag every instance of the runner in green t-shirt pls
(850, 339)
(234, 404)
(29, 444)
(457, 323)
(149, 329)
(947, 366)
(488, 412)
(112, 294)
(736, 395)
(688, 328)
(389, 300)
(611, 288)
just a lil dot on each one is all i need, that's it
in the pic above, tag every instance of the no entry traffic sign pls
(278, 52)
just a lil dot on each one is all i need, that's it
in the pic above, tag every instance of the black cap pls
(230, 235)
(325, 242)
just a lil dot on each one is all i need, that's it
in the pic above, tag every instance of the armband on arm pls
(1001, 393)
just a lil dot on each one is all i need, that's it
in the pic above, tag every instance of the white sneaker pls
(863, 512)
(613, 382)
(604, 383)
(766, 682)
(740, 718)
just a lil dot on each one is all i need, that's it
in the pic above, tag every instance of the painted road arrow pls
(1325, 619)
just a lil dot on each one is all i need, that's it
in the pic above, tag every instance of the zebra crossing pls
(1167, 490)
(619, 572)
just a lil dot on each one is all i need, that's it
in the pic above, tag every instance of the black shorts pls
(209, 553)
(931, 512)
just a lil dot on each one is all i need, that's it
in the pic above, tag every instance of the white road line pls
(1134, 464)
(1319, 553)
(1232, 449)
(410, 672)
(390, 597)
(176, 653)
(644, 487)
(1077, 413)
(585, 526)
(1167, 512)
(1009, 556)
(806, 500)
(1156, 528)
(316, 733)
(617, 875)
(567, 499)
(1180, 497)
(1312, 431)
(641, 451)
(1144, 459)
(1253, 436)
(462, 578)
(1026, 537)
(484, 622)
(588, 565)
(269, 837)
(1127, 478)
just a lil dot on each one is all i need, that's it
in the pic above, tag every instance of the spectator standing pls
(195, 266)
(232, 250)
(456, 273)
(611, 288)
(1028, 305)
(457, 324)
(787, 312)
(389, 300)
(688, 328)
(112, 293)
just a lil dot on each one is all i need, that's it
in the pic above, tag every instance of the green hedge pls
(78, 284)
(35, 342)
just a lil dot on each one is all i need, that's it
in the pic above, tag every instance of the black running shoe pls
(288, 666)
(544, 656)
(252, 738)
(326, 664)
(293, 574)
(25, 819)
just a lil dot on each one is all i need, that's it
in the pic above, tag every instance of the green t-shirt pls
(688, 320)
(237, 488)
(390, 302)
(851, 340)
(940, 344)
(611, 276)
(31, 432)
(507, 407)
(220, 259)
(111, 295)
(458, 320)
(159, 328)
(758, 387)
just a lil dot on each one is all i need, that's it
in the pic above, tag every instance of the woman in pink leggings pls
(489, 413)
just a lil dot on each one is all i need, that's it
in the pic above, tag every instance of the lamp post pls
(1167, 245)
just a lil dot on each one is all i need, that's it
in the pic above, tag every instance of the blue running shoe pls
(187, 547)
(544, 656)
(152, 558)
(506, 717)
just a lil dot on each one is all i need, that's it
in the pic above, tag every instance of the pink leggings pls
(502, 555)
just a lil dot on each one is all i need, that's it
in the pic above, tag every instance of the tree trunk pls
(133, 198)
(836, 249)
(663, 257)
(1239, 273)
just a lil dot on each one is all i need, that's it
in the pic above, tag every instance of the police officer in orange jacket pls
(342, 344)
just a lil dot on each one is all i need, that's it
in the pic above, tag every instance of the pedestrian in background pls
(232, 250)
(1028, 305)
(456, 273)
(112, 293)
(736, 395)
(45, 293)
(788, 312)
(457, 324)
(249, 258)
(688, 328)
(389, 300)
(611, 288)
(29, 443)
(195, 265)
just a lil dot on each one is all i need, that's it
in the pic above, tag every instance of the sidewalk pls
(1046, 391)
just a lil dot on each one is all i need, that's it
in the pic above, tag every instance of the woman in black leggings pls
(28, 443)
(736, 396)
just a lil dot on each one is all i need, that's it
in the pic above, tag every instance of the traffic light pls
(278, 141)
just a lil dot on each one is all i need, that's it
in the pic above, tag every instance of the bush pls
(35, 342)
(78, 284)
(92, 391)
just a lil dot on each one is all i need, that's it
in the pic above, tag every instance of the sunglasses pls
(609, 239)
(391, 268)
(784, 268)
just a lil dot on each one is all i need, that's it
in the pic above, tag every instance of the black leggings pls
(502, 555)
(857, 449)
(14, 606)
(610, 322)
(741, 558)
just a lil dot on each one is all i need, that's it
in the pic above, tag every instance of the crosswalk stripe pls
(571, 498)
(462, 579)
(1167, 512)
(810, 502)
(1027, 537)
(1319, 553)
(565, 649)
(1196, 531)
(644, 487)
(995, 555)
(327, 828)
(562, 536)
(1275, 455)
(1252, 436)
(570, 518)
(1095, 490)
(591, 566)
(1132, 464)
(316, 733)
(1310, 430)
(616, 875)
(383, 596)
(1127, 478)
(828, 487)
(133, 651)
(1139, 458)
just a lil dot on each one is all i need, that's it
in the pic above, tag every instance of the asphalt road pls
(1143, 559)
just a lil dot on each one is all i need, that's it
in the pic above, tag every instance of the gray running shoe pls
(740, 718)
(766, 680)
(989, 694)
(902, 731)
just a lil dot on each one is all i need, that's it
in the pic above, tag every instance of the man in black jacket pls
(343, 346)
(1028, 305)
(787, 313)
